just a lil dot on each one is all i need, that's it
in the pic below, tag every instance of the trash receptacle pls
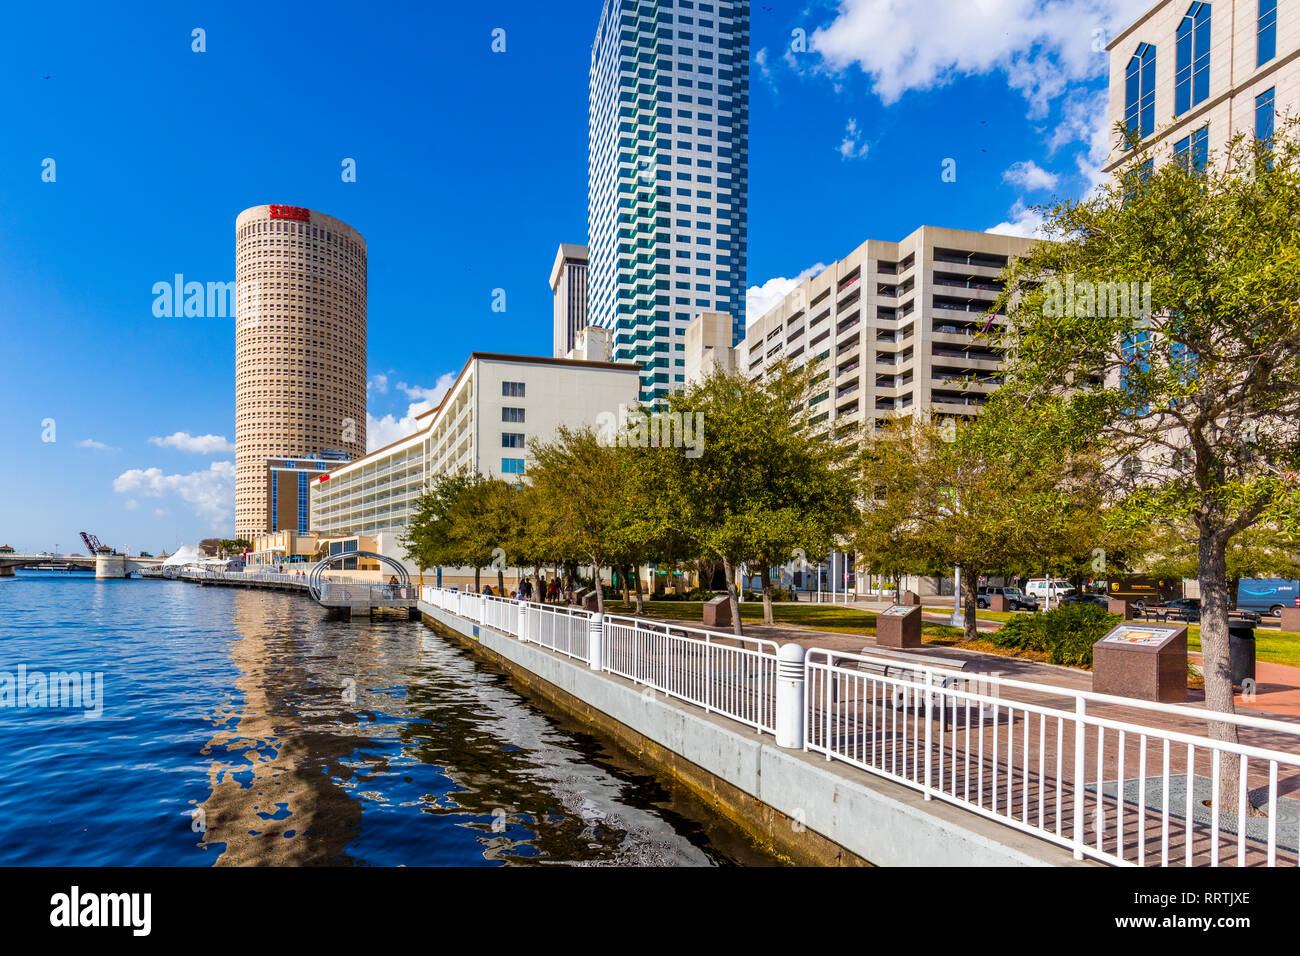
(1241, 650)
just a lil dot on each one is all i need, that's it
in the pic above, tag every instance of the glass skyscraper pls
(668, 158)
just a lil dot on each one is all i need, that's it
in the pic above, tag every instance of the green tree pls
(992, 496)
(763, 483)
(1195, 389)
(445, 530)
(579, 480)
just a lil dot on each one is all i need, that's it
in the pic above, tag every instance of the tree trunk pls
(970, 603)
(600, 590)
(766, 578)
(1216, 659)
(501, 583)
(478, 588)
(731, 597)
(640, 601)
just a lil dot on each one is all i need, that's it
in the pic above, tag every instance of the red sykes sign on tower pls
(291, 212)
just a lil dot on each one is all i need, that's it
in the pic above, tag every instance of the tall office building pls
(569, 289)
(1193, 75)
(667, 177)
(300, 352)
(900, 328)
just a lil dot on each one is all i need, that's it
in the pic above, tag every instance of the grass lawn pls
(834, 618)
(815, 617)
(1273, 647)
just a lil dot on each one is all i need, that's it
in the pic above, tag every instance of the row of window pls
(1192, 66)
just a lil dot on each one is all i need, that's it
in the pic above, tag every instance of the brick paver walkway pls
(1017, 762)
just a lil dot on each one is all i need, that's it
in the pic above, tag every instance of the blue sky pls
(471, 168)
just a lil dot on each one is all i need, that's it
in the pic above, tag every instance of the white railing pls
(357, 592)
(1123, 781)
(1063, 765)
(264, 577)
(564, 630)
(724, 674)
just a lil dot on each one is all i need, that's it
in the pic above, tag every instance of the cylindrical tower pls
(300, 347)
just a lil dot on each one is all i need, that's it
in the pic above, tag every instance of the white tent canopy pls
(187, 555)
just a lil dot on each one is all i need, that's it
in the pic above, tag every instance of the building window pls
(513, 415)
(1140, 92)
(302, 501)
(512, 466)
(1194, 149)
(1192, 79)
(1264, 114)
(1267, 43)
(512, 389)
(512, 440)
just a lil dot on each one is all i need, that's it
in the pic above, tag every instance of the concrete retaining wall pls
(801, 806)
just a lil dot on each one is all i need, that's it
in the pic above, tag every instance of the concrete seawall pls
(799, 806)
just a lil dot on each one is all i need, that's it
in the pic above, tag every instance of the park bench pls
(903, 665)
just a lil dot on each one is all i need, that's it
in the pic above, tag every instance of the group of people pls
(547, 592)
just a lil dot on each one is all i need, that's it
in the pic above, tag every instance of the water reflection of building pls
(273, 801)
(332, 721)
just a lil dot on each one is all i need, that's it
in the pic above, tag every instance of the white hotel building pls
(668, 158)
(484, 423)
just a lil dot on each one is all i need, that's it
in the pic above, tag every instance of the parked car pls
(1016, 599)
(1086, 597)
(1188, 609)
(1267, 595)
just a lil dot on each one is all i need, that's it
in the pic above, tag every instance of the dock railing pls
(1122, 781)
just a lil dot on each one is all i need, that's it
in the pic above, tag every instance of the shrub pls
(1072, 629)
(1024, 632)
(1066, 635)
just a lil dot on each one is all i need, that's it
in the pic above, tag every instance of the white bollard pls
(595, 635)
(790, 689)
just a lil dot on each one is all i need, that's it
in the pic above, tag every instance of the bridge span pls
(106, 565)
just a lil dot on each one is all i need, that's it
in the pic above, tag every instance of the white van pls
(1048, 591)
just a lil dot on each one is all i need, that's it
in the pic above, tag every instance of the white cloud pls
(381, 432)
(378, 384)
(761, 299)
(1041, 47)
(195, 444)
(97, 446)
(1029, 176)
(428, 398)
(1023, 221)
(211, 493)
(852, 147)
(131, 504)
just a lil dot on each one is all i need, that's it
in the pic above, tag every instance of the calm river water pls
(240, 727)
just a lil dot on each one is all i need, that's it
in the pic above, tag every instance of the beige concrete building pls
(708, 346)
(300, 348)
(497, 404)
(1191, 75)
(569, 288)
(898, 326)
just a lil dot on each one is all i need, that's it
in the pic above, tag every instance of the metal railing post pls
(929, 712)
(790, 701)
(595, 640)
(1080, 768)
